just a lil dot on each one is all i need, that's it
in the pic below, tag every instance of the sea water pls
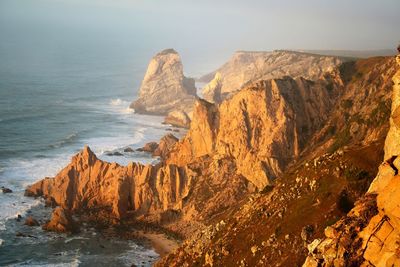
(61, 89)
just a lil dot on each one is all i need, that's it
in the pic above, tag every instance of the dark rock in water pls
(19, 217)
(30, 221)
(149, 147)
(133, 265)
(61, 221)
(128, 149)
(114, 154)
(176, 130)
(19, 234)
(6, 190)
(169, 129)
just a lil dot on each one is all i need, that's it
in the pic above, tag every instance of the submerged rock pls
(30, 221)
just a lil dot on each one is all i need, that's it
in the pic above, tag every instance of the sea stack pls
(164, 88)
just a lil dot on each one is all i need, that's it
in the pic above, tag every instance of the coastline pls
(160, 242)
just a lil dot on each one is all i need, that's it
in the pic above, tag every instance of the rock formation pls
(369, 234)
(178, 118)
(61, 221)
(247, 67)
(262, 128)
(164, 87)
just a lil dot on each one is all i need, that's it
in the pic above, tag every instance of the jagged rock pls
(369, 234)
(164, 87)
(246, 66)
(134, 187)
(30, 221)
(257, 127)
(178, 118)
(61, 221)
(166, 144)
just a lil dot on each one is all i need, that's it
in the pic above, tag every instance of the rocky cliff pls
(164, 87)
(260, 174)
(275, 226)
(262, 128)
(247, 67)
(369, 234)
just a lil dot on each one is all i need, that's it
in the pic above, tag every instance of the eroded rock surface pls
(262, 128)
(372, 240)
(164, 87)
(246, 66)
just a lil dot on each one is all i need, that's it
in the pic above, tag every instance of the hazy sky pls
(207, 27)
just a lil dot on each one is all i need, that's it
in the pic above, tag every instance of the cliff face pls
(275, 226)
(369, 234)
(88, 182)
(164, 87)
(245, 67)
(262, 128)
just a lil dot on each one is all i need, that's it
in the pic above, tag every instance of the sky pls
(206, 28)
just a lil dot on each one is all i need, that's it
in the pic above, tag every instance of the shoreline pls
(161, 244)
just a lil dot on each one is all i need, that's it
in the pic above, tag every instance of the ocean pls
(63, 86)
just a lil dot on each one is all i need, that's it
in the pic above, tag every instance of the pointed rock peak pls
(87, 155)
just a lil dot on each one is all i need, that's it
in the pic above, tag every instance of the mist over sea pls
(64, 84)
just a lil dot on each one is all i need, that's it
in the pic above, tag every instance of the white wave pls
(1, 242)
(117, 102)
(75, 238)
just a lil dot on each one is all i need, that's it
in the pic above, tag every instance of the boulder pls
(30, 221)
(148, 147)
(166, 144)
(61, 221)
(178, 118)
(164, 87)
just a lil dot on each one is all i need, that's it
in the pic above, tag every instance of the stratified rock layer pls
(164, 87)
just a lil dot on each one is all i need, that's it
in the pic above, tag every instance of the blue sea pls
(65, 83)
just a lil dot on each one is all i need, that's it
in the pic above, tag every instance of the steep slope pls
(245, 67)
(275, 226)
(262, 128)
(369, 234)
(164, 87)
(361, 113)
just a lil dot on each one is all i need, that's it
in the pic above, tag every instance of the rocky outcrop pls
(262, 128)
(167, 142)
(177, 118)
(61, 221)
(164, 87)
(88, 182)
(372, 240)
(30, 221)
(247, 67)
(212, 91)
